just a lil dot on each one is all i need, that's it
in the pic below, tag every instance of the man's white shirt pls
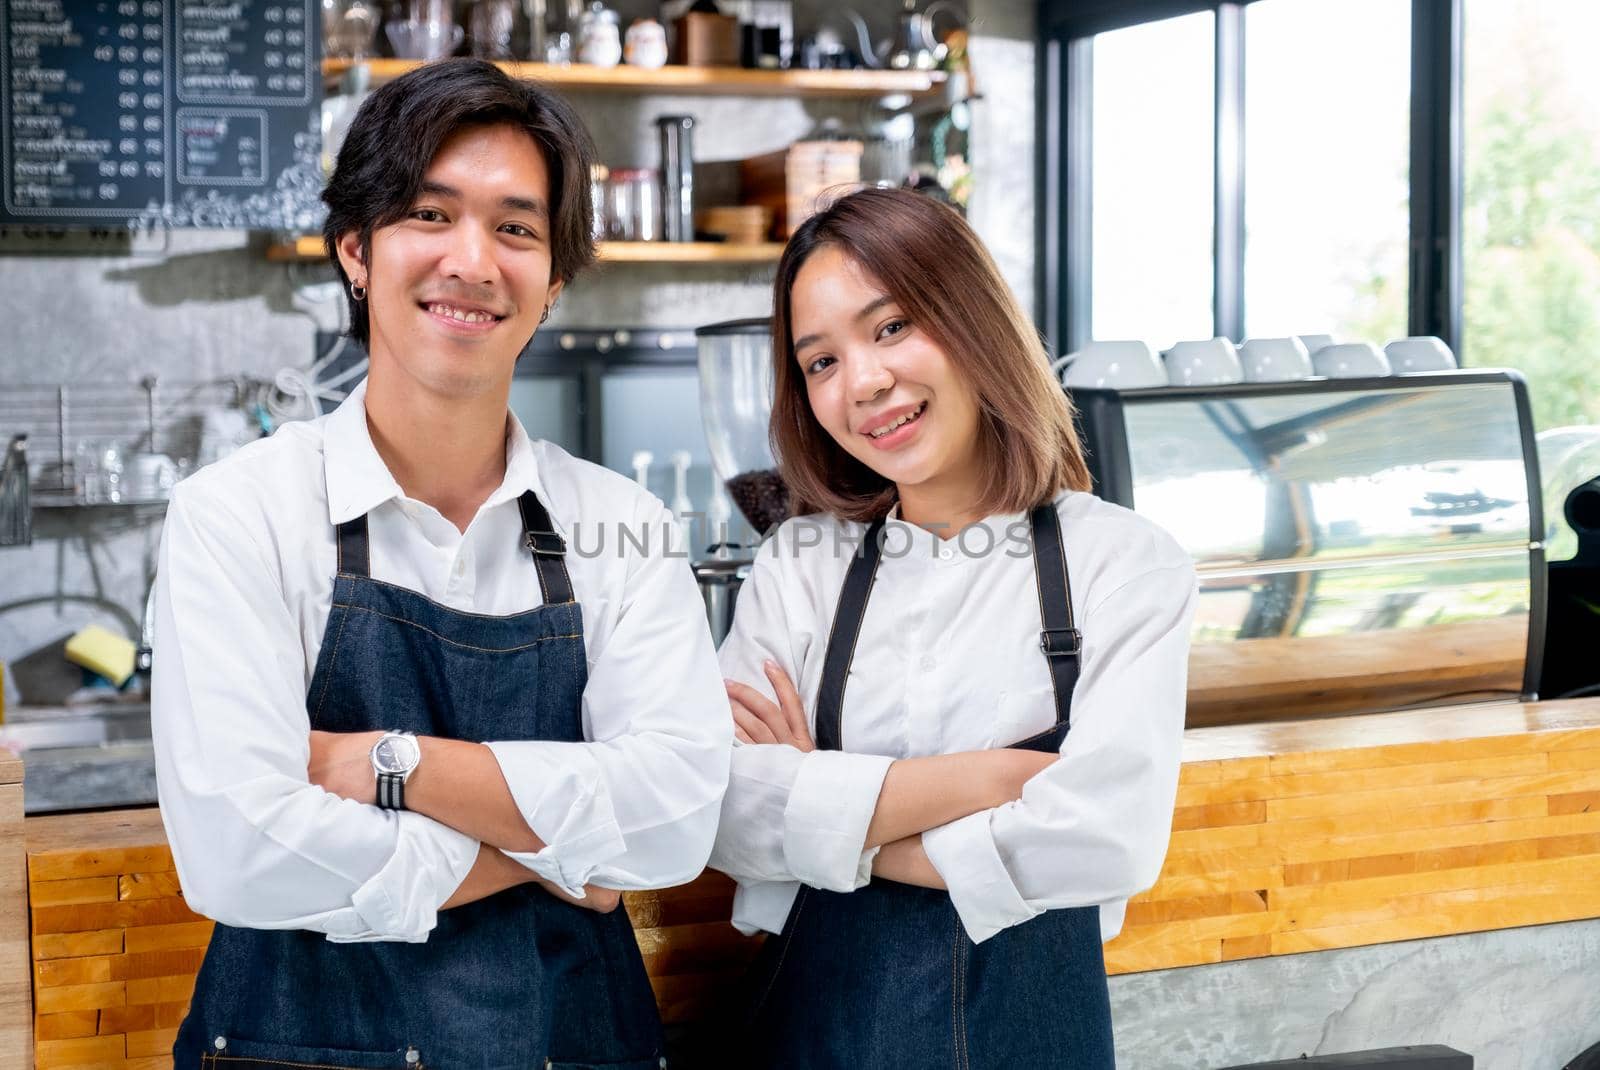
(243, 594)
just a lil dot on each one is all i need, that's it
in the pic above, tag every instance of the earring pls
(358, 291)
(545, 315)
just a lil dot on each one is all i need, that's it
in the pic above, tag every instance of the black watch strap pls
(391, 791)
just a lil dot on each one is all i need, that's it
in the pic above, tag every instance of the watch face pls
(395, 754)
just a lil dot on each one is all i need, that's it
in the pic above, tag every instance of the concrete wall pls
(207, 304)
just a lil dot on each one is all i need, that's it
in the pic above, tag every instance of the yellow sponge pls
(104, 652)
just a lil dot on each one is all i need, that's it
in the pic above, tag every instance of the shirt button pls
(461, 568)
(929, 663)
(946, 554)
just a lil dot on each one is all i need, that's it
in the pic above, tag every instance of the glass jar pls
(633, 205)
(599, 36)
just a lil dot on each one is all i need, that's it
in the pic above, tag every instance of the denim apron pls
(885, 976)
(518, 979)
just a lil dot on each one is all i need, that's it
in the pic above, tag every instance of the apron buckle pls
(547, 544)
(1060, 642)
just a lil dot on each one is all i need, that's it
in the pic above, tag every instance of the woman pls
(944, 793)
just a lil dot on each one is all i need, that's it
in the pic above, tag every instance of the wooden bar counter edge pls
(1288, 836)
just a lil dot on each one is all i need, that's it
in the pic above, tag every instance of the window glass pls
(1327, 159)
(1154, 113)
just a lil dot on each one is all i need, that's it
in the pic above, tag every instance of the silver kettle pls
(914, 46)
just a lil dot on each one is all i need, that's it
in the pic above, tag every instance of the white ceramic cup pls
(1210, 362)
(1112, 366)
(645, 44)
(1274, 360)
(1424, 354)
(1314, 342)
(1351, 360)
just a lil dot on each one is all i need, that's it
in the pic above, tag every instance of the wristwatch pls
(394, 758)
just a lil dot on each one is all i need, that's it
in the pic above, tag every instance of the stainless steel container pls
(720, 580)
(677, 176)
(1361, 545)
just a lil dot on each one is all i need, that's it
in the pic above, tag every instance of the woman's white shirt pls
(242, 599)
(948, 659)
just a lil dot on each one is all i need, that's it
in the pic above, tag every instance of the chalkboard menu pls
(191, 113)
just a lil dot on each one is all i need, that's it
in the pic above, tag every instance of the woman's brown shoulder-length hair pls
(929, 261)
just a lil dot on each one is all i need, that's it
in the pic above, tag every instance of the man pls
(409, 748)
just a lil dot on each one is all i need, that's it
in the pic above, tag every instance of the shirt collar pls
(359, 481)
(923, 543)
(522, 466)
(994, 521)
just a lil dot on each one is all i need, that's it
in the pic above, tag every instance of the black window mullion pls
(1227, 294)
(1049, 178)
(1078, 196)
(1066, 93)
(1436, 169)
(1085, 18)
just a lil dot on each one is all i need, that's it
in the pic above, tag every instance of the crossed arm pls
(918, 794)
(457, 783)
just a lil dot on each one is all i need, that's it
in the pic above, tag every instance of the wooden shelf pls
(723, 81)
(699, 252)
(611, 252)
(304, 248)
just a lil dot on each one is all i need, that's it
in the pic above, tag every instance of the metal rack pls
(63, 421)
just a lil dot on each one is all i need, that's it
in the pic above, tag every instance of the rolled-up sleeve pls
(1092, 828)
(635, 804)
(257, 845)
(792, 816)
(788, 815)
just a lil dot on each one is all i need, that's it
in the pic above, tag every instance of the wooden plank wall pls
(694, 957)
(1279, 845)
(1303, 851)
(16, 994)
(115, 948)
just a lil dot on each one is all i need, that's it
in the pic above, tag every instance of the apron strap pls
(548, 548)
(842, 639)
(355, 557)
(1059, 639)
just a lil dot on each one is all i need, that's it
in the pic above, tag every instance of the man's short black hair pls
(399, 130)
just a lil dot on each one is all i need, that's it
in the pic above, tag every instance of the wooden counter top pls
(1426, 728)
(1288, 836)
(10, 768)
(1264, 679)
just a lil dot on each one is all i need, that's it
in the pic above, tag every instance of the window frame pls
(1066, 135)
